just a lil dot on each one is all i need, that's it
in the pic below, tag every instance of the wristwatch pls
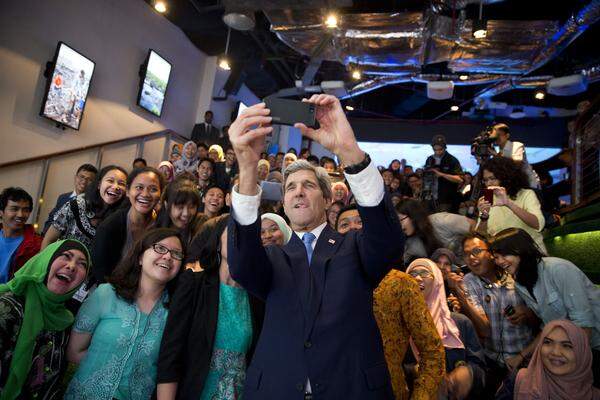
(356, 168)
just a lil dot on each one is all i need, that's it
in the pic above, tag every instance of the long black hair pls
(126, 276)
(509, 173)
(415, 210)
(93, 199)
(206, 245)
(177, 195)
(517, 242)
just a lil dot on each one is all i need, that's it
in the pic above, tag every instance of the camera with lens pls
(482, 144)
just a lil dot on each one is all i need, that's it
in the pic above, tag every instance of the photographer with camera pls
(513, 150)
(441, 178)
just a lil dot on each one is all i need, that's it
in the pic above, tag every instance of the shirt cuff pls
(244, 208)
(367, 186)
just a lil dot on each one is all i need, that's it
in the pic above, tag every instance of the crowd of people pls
(227, 273)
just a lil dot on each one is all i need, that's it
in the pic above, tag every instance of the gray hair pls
(320, 173)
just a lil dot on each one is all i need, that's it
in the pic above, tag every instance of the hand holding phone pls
(488, 195)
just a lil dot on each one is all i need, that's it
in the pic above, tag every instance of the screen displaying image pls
(67, 92)
(154, 85)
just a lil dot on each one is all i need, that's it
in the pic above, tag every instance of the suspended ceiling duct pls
(392, 48)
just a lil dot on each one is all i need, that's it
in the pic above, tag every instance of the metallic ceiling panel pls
(257, 5)
(509, 47)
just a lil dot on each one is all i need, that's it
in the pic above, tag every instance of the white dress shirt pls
(367, 187)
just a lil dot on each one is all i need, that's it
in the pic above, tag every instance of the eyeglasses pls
(422, 274)
(160, 249)
(475, 252)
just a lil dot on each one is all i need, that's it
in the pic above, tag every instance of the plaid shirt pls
(506, 339)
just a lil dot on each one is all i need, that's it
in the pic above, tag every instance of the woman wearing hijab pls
(340, 192)
(168, 171)
(216, 153)
(189, 159)
(274, 230)
(560, 369)
(464, 354)
(34, 320)
(287, 160)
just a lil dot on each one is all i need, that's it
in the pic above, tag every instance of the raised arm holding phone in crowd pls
(319, 335)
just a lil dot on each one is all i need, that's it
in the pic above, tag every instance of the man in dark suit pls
(206, 132)
(85, 174)
(320, 339)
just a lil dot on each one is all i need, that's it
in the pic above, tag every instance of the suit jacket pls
(319, 321)
(200, 133)
(61, 201)
(188, 340)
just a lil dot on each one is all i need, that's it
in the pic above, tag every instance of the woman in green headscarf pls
(34, 320)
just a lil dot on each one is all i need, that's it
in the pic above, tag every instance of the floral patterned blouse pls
(73, 221)
(121, 360)
(48, 359)
(401, 314)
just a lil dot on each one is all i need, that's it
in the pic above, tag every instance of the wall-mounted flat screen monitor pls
(153, 86)
(67, 89)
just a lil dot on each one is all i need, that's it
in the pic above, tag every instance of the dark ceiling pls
(266, 65)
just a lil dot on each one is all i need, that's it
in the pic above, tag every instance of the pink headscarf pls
(168, 164)
(438, 305)
(344, 187)
(536, 382)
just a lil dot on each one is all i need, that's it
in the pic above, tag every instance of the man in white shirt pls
(514, 150)
(319, 336)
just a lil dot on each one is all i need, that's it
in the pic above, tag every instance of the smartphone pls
(488, 195)
(289, 112)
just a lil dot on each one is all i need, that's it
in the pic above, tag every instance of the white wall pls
(116, 34)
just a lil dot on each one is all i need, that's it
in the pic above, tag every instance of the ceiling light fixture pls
(480, 25)
(160, 6)
(349, 108)
(540, 95)
(331, 21)
(224, 62)
(356, 74)
(454, 108)
(463, 77)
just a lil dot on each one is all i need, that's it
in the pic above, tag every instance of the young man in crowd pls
(348, 219)
(514, 151)
(139, 163)
(312, 343)
(85, 174)
(488, 297)
(447, 172)
(213, 201)
(18, 240)
(415, 183)
(328, 163)
(202, 150)
(206, 131)
(279, 161)
(206, 169)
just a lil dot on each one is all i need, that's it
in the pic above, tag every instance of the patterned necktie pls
(307, 239)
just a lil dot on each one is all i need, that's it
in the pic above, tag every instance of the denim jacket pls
(562, 291)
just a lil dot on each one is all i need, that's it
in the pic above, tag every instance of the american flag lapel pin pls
(331, 241)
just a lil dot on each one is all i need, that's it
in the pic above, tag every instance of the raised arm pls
(381, 241)
(247, 258)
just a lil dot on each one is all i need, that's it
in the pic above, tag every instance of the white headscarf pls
(283, 226)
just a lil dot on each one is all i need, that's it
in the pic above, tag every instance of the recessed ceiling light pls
(356, 74)
(331, 21)
(160, 6)
(224, 64)
(454, 108)
(463, 77)
(540, 95)
(349, 108)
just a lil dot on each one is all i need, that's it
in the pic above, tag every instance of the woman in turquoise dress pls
(212, 327)
(117, 332)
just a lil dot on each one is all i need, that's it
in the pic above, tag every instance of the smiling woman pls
(118, 329)
(33, 320)
(117, 233)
